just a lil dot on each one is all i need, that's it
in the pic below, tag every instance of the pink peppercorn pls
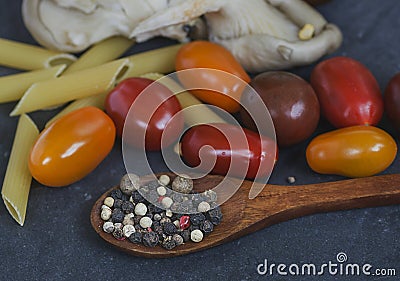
(184, 222)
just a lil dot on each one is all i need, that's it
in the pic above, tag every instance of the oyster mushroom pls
(74, 25)
(261, 34)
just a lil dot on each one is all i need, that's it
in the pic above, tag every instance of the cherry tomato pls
(291, 101)
(348, 92)
(72, 147)
(166, 105)
(245, 150)
(392, 100)
(356, 151)
(225, 90)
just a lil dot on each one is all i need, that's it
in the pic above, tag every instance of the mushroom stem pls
(270, 53)
(300, 13)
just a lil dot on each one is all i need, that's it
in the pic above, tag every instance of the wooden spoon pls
(274, 204)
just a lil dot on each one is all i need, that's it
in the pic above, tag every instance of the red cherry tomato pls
(348, 92)
(247, 152)
(226, 89)
(120, 100)
(356, 151)
(71, 147)
(392, 100)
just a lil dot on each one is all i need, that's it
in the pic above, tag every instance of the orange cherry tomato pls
(72, 147)
(356, 151)
(226, 90)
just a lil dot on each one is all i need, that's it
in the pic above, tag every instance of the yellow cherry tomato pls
(72, 147)
(356, 151)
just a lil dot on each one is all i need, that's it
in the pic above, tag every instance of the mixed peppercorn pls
(160, 212)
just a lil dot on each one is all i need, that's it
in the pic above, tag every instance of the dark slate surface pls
(57, 242)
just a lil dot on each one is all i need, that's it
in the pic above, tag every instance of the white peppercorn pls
(109, 201)
(128, 230)
(164, 180)
(291, 179)
(157, 217)
(129, 183)
(177, 224)
(108, 227)
(167, 202)
(203, 207)
(178, 239)
(128, 219)
(165, 220)
(140, 209)
(118, 225)
(182, 184)
(145, 222)
(169, 213)
(196, 235)
(106, 214)
(161, 190)
(105, 207)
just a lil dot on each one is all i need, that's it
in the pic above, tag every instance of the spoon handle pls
(280, 203)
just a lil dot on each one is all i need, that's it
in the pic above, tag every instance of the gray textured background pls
(58, 243)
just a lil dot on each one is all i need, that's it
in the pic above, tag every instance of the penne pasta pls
(199, 112)
(97, 101)
(13, 86)
(17, 181)
(30, 57)
(160, 60)
(80, 84)
(102, 52)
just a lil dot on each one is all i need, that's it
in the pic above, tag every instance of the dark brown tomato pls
(291, 101)
(392, 101)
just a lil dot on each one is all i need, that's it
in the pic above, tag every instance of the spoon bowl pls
(274, 204)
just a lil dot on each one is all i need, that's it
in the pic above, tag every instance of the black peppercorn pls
(185, 235)
(157, 228)
(186, 207)
(154, 209)
(127, 207)
(116, 194)
(117, 216)
(118, 233)
(137, 197)
(169, 243)
(174, 207)
(136, 219)
(150, 239)
(197, 200)
(118, 203)
(193, 227)
(136, 237)
(215, 215)
(207, 227)
(138, 228)
(169, 228)
(152, 196)
(152, 184)
(197, 219)
(125, 197)
(177, 197)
